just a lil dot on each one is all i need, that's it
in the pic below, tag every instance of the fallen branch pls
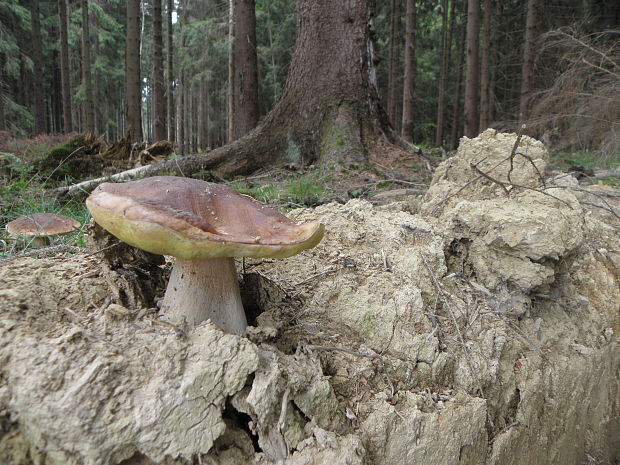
(598, 194)
(230, 158)
(345, 350)
(514, 151)
(606, 174)
(487, 176)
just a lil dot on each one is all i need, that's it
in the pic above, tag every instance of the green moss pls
(369, 324)
(293, 152)
(68, 161)
(340, 144)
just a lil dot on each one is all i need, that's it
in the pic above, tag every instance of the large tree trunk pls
(472, 75)
(159, 93)
(88, 104)
(245, 68)
(530, 50)
(133, 93)
(410, 72)
(65, 71)
(329, 112)
(37, 68)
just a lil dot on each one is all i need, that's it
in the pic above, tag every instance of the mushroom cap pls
(41, 224)
(188, 218)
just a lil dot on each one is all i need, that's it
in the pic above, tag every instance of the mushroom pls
(40, 226)
(203, 225)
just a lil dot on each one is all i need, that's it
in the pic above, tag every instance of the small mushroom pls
(40, 226)
(203, 225)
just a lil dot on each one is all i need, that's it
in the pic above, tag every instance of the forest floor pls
(30, 167)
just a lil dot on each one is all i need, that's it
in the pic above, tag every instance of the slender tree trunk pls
(55, 100)
(37, 71)
(181, 112)
(187, 115)
(200, 114)
(133, 84)
(245, 69)
(458, 90)
(446, 44)
(182, 13)
(170, 73)
(99, 107)
(3, 123)
(190, 116)
(393, 61)
(410, 73)
(146, 86)
(207, 115)
(159, 88)
(230, 97)
(530, 51)
(485, 74)
(472, 76)
(86, 73)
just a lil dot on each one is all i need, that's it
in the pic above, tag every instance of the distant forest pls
(183, 70)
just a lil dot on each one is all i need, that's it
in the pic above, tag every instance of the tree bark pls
(65, 71)
(410, 73)
(99, 121)
(329, 112)
(530, 51)
(182, 13)
(446, 44)
(230, 97)
(472, 75)
(180, 129)
(37, 74)
(485, 74)
(393, 61)
(159, 88)
(88, 105)
(169, 73)
(456, 106)
(133, 104)
(245, 68)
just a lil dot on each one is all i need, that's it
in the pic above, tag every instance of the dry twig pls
(448, 307)
(346, 351)
(56, 249)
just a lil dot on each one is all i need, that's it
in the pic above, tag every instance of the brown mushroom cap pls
(41, 224)
(189, 218)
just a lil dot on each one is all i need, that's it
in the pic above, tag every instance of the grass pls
(22, 192)
(588, 160)
(23, 198)
(304, 190)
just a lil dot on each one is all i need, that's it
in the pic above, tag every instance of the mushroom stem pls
(205, 289)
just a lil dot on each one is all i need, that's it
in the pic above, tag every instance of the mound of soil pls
(477, 325)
